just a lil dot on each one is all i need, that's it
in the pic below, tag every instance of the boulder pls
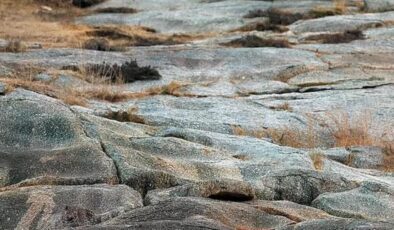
(226, 190)
(54, 207)
(371, 201)
(291, 210)
(340, 224)
(303, 186)
(196, 213)
(378, 6)
(48, 144)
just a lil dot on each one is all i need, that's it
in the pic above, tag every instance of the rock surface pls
(228, 138)
(50, 207)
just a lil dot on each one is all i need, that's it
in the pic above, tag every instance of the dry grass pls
(388, 159)
(239, 131)
(100, 88)
(317, 160)
(129, 115)
(351, 131)
(282, 107)
(170, 89)
(255, 41)
(335, 38)
(14, 46)
(340, 6)
(26, 20)
(338, 9)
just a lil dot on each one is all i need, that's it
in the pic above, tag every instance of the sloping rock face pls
(229, 138)
(51, 207)
(42, 141)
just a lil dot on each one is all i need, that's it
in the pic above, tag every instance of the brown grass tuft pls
(238, 130)
(14, 46)
(317, 160)
(129, 115)
(351, 132)
(282, 107)
(26, 20)
(388, 158)
(255, 41)
(335, 38)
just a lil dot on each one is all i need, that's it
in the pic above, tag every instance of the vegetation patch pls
(255, 41)
(129, 115)
(276, 16)
(14, 46)
(282, 107)
(125, 73)
(124, 36)
(388, 158)
(100, 44)
(335, 38)
(86, 3)
(317, 160)
(117, 10)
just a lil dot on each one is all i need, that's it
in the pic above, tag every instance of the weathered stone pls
(48, 144)
(367, 157)
(303, 186)
(340, 224)
(3, 88)
(293, 211)
(226, 190)
(342, 23)
(54, 207)
(378, 6)
(176, 213)
(372, 201)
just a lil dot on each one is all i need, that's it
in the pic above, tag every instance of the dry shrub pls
(335, 38)
(170, 89)
(238, 130)
(317, 160)
(276, 16)
(117, 10)
(129, 115)
(262, 26)
(86, 3)
(282, 107)
(351, 131)
(255, 41)
(122, 36)
(14, 46)
(125, 73)
(388, 158)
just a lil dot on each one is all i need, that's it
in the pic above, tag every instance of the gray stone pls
(227, 190)
(367, 157)
(378, 6)
(54, 207)
(216, 16)
(293, 211)
(342, 23)
(47, 145)
(340, 224)
(188, 213)
(3, 88)
(303, 186)
(372, 201)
